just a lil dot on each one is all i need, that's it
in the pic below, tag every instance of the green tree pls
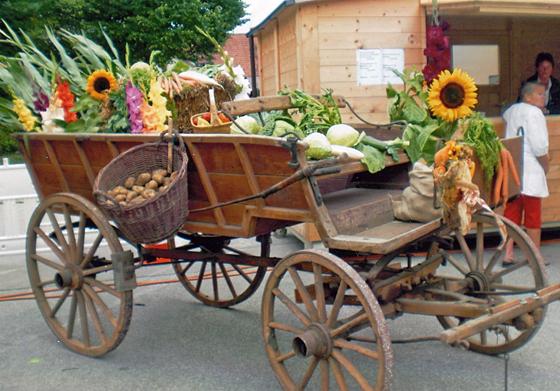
(146, 25)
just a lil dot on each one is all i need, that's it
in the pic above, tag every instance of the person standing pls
(544, 67)
(528, 116)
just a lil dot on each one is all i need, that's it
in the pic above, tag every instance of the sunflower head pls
(100, 83)
(452, 95)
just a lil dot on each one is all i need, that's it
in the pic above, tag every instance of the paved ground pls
(175, 343)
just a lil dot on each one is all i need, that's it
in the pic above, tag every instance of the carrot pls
(442, 156)
(505, 184)
(513, 169)
(498, 184)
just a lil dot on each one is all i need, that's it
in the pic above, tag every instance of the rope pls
(28, 295)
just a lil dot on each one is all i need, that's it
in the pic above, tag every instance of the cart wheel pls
(69, 244)
(487, 275)
(219, 284)
(320, 318)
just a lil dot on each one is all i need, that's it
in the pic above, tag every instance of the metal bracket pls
(291, 145)
(123, 271)
(316, 190)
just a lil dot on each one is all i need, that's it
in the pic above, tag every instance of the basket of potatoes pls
(148, 202)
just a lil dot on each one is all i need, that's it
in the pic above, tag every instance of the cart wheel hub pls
(316, 340)
(68, 278)
(478, 281)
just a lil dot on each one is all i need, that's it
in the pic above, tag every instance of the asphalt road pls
(176, 343)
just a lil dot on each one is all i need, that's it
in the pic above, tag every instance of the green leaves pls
(374, 159)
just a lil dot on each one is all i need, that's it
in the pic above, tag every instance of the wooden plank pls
(361, 8)
(308, 49)
(263, 104)
(206, 182)
(370, 24)
(56, 165)
(277, 69)
(85, 163)
(365, 40)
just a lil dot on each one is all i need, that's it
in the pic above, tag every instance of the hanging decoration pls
(437, 52)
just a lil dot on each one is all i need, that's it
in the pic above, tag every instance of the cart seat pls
(363, 219)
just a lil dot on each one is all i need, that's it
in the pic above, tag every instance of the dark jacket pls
(553, 105)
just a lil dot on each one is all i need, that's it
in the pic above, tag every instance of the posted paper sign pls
(375, 66)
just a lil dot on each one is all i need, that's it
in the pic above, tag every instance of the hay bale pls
(194, 100)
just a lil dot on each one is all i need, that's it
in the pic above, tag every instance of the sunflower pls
(452, 95)
(100, 83)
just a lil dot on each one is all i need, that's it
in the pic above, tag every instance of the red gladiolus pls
(437, 52)
(67, 98)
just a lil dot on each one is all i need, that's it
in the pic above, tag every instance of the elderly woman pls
(528, 116)
(544, 67)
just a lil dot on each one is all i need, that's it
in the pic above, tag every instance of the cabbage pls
(318, 146)
(344, 135)
(247, 123)
(282, 127)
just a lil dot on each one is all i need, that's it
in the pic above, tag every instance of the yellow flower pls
(155, 115)
(24, 114)
(100, 83)
(452, 95)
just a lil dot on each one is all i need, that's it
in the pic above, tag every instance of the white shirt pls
(535, 144)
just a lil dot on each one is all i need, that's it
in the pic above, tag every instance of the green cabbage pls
(247, 123)
(318, 146)
(344, 135)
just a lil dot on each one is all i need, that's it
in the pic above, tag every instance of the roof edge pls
(272, 15)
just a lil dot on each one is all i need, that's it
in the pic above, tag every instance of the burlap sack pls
(417, 200)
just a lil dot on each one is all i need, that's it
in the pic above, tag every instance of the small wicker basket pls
(222, 128)
(157, 218)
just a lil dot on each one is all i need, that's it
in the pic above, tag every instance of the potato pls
(137, 200)
(152, 185)
(163, 188)
(112, 193)
(123, 203)
(138, 189)
(131, 195)
(174, 175)
(129, 182)
(159, 171)
(158, 178)
(149, 193)
(120, 197)
(143, 178)
(167, 181)
(120, 190)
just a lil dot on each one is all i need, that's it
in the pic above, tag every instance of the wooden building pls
(313, 44)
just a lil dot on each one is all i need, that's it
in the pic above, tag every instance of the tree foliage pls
(146, 25)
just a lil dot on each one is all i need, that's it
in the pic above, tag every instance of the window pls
(482, 62)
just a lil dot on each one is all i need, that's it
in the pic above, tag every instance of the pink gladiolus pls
(134, 101)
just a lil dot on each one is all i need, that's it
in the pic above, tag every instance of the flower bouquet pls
(82, 87)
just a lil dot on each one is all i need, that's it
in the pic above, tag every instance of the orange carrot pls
(505, 184)
(441, 156)
(513, 169)
(498, 184)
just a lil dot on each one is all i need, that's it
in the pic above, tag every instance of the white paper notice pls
(375, 66)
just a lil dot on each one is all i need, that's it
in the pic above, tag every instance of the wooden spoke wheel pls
(217, 283)
(69, 247)
(323, 327)
(489, 282)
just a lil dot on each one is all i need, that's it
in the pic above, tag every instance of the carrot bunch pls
(506, 166)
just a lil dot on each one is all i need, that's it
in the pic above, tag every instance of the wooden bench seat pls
(364, 221)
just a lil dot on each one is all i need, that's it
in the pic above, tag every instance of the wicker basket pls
(222, 128)
(157, 218)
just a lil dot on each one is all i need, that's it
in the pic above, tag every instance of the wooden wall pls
(316, 44)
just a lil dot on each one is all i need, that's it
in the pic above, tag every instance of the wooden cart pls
(323, 312)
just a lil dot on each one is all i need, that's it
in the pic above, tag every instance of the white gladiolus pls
(55, 111)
